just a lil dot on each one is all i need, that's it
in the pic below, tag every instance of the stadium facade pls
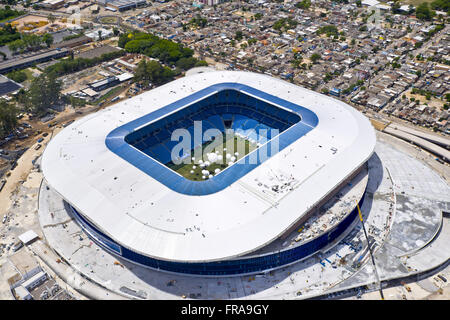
(112, 168)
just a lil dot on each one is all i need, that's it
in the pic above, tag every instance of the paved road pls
(436, 139)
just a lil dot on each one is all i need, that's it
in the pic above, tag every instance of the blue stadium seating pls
(217, 122)
(227, 116)
(250, 124)
(161, 153)
(248, 116)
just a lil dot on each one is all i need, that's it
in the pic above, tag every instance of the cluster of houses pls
(337, 49)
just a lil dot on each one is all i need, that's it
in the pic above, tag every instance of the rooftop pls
(141, 213)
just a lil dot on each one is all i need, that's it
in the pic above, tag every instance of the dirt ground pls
(378, 124)
(80, 80)
(24, 163)
(440, 295)
(19, 174)
(57, 25)
(433, 102)
(30, 18)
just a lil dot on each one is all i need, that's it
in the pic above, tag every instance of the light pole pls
(370, 251)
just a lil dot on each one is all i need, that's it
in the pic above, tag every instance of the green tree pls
(51, 18)
(32, 41)
(423, 12)
(166, 51)
(8, 117)
(16, 45)
(186, 63)
(199, 21)
(441, 5)
(329, 30)
(152, 72)
(284, 24)
(17, 76)
(75, 102)
(201, 63)
(304, 4)
(66, 66)
(251, 41)
(140, 74)
(44, 92)
(123, 39)
(296, 63)
(138, 46)
(315, 57)
(48, 39)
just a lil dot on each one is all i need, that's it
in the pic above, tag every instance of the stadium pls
(267, 174)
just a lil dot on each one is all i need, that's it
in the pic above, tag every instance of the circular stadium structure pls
(217, 173)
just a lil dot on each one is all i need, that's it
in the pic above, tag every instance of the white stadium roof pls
(146, 216)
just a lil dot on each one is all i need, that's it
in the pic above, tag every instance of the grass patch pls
(108, 20)
(29, 74)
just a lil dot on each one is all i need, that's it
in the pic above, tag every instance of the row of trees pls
(45, 90)
(8, 34)
(73, 65)
(30, 42)
(73, 36)
(8, 13)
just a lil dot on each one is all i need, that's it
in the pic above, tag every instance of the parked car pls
(17, 246)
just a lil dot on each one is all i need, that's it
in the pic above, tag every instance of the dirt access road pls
(24, 163)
